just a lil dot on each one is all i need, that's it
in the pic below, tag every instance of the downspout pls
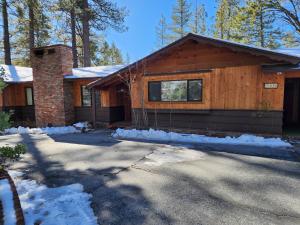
(94, 107)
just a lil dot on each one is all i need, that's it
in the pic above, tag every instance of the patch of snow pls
(6, 197)
(159, 135)
(95, 71)
(290, 51)
(81, 125)
(66, 205)
(48, 130)
(172, 154)
(17, 74)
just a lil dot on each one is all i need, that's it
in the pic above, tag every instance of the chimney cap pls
(51, 46)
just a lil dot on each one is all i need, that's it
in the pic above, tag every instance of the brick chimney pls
(53, 95)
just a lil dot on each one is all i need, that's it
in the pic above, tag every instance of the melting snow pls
(6, 198)
(159, 135)
(47, 130)
(66, 205)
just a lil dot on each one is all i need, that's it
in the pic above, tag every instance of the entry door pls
(292, 102)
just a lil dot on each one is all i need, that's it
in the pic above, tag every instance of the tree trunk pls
(86, 35)
(7, 52)
(74, 43)
(31, 25)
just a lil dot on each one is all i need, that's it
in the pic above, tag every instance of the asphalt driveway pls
(228, 185)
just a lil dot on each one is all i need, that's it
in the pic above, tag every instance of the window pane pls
(154, 91)
(195, 90)
(29, 96)
(86, 96)
(174, 90)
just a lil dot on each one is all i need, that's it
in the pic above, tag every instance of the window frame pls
(188, 95)
(26, 96)
(81, 96)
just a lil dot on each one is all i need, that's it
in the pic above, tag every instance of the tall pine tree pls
(198, 25)
(6, 34)
(161, 32)
(181, 16)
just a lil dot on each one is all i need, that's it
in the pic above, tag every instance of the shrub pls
(4, 121)
(11, 153)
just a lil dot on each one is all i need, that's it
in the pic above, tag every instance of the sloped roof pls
(18, 74)
(290, 57)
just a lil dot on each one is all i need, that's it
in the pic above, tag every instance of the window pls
(29, 96)
(86, 97)
(175, 91)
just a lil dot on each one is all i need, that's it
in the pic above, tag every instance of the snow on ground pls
(172, 154)
(66, 205)
(6, 197)
(76, 128)
(159, 135)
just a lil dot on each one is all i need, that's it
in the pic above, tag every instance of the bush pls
(4, 121)
(11, 153)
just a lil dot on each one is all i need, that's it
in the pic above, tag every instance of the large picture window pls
(29, 96)
(175, 91)
(86, 96)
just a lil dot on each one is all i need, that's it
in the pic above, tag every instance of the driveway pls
(227, 185)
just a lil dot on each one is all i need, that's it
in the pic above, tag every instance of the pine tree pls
(6, 34)
(262, 28)
(226, 12)
(181, 16)
(289, 40)
(109, 55)
(161, 32)
(198, 25)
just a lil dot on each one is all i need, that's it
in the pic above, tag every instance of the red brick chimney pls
(53, 96)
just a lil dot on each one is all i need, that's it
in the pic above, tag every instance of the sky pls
(144, 15)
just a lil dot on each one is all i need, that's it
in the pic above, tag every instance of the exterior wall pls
(82, 113)
(13, 100)
(53, 103)
(234, 97)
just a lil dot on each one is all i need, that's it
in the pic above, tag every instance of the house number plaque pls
(271, 85)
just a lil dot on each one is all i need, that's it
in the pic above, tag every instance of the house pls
(50, 93)
(202, 83)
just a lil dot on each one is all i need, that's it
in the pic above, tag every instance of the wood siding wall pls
(14, 94)
(231, 88)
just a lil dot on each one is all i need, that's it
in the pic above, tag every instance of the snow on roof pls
(18, 74)
(96, 71)
(290, 51)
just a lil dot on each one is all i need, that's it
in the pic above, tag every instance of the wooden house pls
(204, 84)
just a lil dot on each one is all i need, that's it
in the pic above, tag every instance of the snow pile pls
(6, 198)
(159, 135)
(66, 205)
(172, 154)
(76, 128)
(17, 74)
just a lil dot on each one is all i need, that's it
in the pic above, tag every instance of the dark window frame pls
(81, 96)
(188, 95)
(26, 96)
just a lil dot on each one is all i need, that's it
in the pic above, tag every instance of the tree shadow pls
(117, 204)
(261, 151)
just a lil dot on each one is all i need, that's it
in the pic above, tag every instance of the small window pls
(175, 91)
(29, 96)
(155, 91)
(86, 97)
(195, 90)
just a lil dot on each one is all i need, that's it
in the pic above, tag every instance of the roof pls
(290, 57)
(18, 74)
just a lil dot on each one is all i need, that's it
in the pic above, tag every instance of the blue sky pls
(143, 17)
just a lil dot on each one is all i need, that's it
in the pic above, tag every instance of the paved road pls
(228, 185)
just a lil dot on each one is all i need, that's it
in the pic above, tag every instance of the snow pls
(6, 197)
(17, 74)
(159, 135)
(66, 205)
(172, 154)
(76, 128)
(96, 71)
(290, 51)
